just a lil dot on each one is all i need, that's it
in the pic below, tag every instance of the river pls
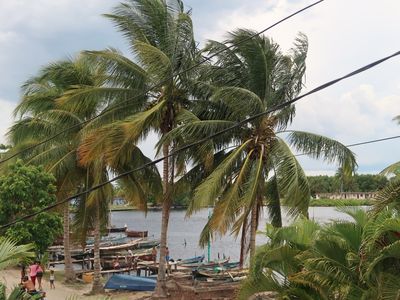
(183, 233)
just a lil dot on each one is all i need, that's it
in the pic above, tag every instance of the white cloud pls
(343, 35)
(5, 118)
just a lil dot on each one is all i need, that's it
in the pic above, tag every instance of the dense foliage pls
(24, 190)
(340, 260)
(356, 183)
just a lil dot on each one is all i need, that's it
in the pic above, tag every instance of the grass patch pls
(341, 202)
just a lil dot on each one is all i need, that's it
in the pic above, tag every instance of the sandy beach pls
(11, 278)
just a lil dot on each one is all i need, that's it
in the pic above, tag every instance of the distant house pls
(119, 201)
(346, 195)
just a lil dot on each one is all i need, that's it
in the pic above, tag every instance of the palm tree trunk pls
(68, 268)
(253, 229)
(161, 290)
(242, 244)
(97, 286)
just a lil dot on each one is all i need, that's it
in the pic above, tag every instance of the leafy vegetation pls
(341, 202)
(340, 260)
(356, 183)
(24, 190)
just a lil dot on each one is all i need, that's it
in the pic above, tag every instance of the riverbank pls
(313, 203)
(340, 202)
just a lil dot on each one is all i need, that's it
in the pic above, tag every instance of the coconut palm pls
(45, 110)
(39, 116)
(256, 165)
(389, 196)
(161, 39)
(341, 260)
(11, 253)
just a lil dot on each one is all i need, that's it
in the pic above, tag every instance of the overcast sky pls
(343, 35)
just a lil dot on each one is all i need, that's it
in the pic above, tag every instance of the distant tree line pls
(357, 183)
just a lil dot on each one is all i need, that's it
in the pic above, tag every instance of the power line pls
(238, 124)
(361, 143)
(122, 104)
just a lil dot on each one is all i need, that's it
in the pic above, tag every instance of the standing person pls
(52, 278)
(39, 275)
(167, 255)
(154, 254)
(33, 272)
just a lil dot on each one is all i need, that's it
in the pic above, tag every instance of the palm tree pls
(389, 196)
(11, 253)
(43, 113)
(341, 260)
(161, 38)
(256, 166)
(39, 116)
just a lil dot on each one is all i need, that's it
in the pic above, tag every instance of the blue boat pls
(130, 283)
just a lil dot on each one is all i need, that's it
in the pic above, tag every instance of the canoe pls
(230, 275)
(130, 283)
(196, 259)
(205, 264)
(133, 233)
(111, 250)
(116, 229)
(145, 244)
(222, 267)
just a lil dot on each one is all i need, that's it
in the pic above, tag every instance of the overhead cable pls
(238, 124)
(122, 104)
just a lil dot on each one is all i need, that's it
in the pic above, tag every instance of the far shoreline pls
(313, 203)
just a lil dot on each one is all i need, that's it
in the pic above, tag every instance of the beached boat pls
(209, 264)
(116, 229)
(193, 260)
(131, 283)
(145, 244)
(222, 267)
(113, 250)
(134, 233)
(226, 275)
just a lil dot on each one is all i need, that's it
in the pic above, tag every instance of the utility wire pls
(158, 84)
(238, 124)
(359, 144)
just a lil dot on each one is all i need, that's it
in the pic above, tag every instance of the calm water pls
(183, 233)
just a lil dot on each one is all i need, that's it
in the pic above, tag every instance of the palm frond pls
(317, 146)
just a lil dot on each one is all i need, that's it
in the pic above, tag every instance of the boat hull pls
(130, 283)
(140, 234)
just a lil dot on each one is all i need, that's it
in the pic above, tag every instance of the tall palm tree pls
(256, 164)
(161, 39)
(39, 116)
(47, 109)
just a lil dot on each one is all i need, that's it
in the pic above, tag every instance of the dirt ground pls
(11, 277)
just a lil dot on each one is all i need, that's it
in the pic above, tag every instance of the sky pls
(343, 35)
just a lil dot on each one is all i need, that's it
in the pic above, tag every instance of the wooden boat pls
(227, 275)
(196, 259)
(133, 233)
(116, 229)
(205, 264)
(222, 267)
(112, 250)
(145, 244)
(130, 283)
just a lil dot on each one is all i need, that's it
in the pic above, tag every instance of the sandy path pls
(11, 278)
